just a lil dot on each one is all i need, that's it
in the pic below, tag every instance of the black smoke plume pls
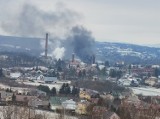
(81, 42)
(34, 22)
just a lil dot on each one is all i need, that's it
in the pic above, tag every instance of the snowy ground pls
(3, 86)
(146, 91)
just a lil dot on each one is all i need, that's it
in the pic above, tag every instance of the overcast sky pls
(130, 21)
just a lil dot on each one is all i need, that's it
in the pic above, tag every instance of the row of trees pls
(1, 72)
(65, 89)
(115, 73)
(47, 90)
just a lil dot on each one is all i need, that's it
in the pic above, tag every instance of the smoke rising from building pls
(58, 53)
(81, 42)
(66, 35)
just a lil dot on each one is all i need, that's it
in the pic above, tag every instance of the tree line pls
(64, 90)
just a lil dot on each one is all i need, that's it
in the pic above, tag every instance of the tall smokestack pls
(73, 56)
(46, 45)
(93, 59)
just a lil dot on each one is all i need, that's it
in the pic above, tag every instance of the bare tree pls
(7, 112)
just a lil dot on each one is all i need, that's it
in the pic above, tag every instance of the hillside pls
(112, 52)
(127, 52)
(20, 44)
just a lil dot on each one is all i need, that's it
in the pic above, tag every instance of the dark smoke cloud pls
(32, 21)
(81, 43)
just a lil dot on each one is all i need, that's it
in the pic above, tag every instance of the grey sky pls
(132, 21)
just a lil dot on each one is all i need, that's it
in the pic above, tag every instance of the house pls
(155, 66)
(82, 107)
(74, 64)
(131, 100)
(24, 98)
(95, 78)
(124, 82)
(37, 103)
(151, 81)
(20, 90)
(15, 75)
(88, 94)
(69, 105)
(6, 96)
(40, 79)
(50, 79)
(84, 95)
(56, 102)
(43, 79)
(108, 97)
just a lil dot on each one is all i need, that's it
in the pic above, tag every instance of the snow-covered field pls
(3, 86)
(146, 91)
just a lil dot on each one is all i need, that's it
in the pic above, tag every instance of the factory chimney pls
(73, 56)
(93, 59)
(46, 45)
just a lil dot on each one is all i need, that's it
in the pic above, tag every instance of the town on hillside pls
(74, 89)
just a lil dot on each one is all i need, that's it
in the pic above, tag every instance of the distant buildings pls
(88, 94)
(82, 107)
(6, 96)
(151, 81)
(56, 102)
(69, 105)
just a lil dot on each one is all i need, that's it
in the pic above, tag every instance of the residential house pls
(108, 97)
(56, 102)
(88, 94)
(24, 98)
(37, 103)
(40, 79)
(20, 90)
(131, 100)
(124, 81)
(151, 81)
(43, 79)
(95, 78)
(143, 70)
(6, 96)
(74, 64)
(50, 79)
(155, 66)
(15, 75)
(82, 107)
(69, 105)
